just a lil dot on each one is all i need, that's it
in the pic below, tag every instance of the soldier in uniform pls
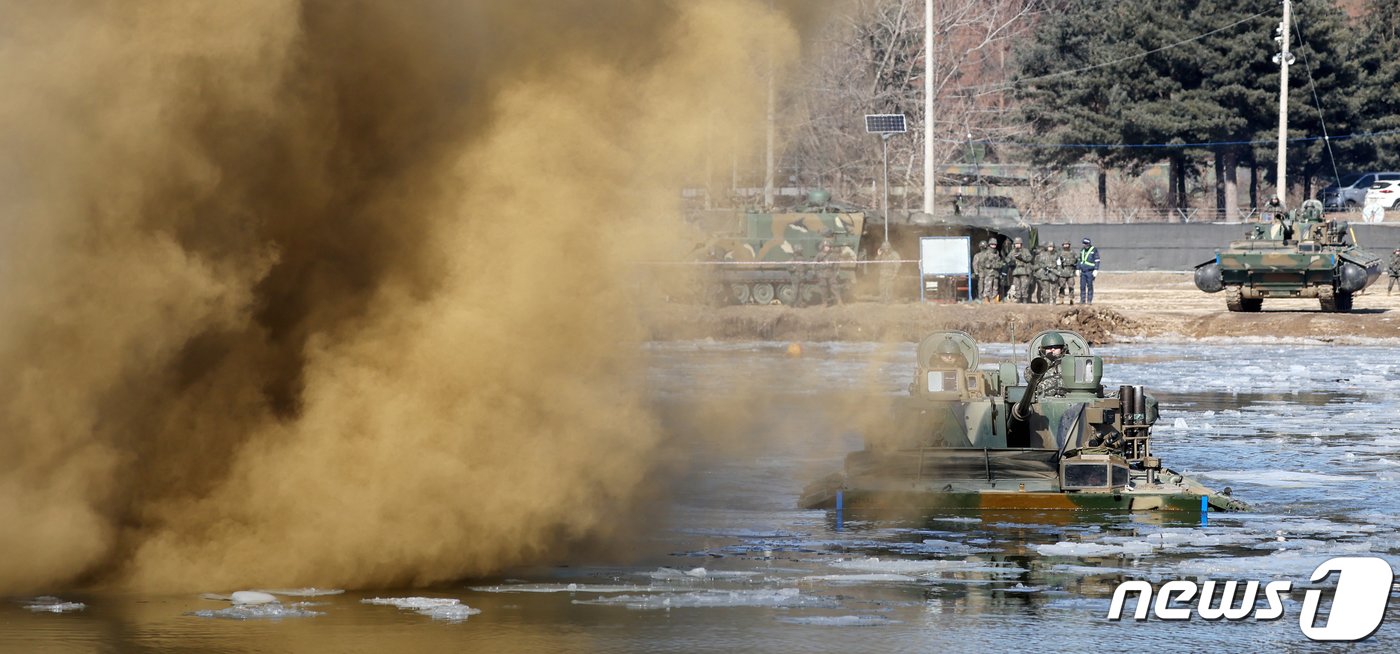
(1394, 270)
(1047, 274)
(797, 273)
(1065, 268)
(948, 357)
(890, 263)
(1022, 267)
(991, 273)
(1088, 265)
(828, 274)
(1052, 349)
(978, 279)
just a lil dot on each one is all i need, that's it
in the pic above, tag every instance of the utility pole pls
(1283, 59)
(768, 166)
(928, 107)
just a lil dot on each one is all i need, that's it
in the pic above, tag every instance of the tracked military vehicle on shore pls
(1298, 256)
(757, 251)
(969, 438)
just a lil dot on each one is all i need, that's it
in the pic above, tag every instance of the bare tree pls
(875, 64)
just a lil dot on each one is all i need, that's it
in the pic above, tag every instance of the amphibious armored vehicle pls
(1288, 258)
(970, 438)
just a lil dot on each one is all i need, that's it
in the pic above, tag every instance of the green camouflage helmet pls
(1053, 339)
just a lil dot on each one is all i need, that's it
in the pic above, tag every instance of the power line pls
(1204, 144)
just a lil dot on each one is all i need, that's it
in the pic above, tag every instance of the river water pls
(1307, 433)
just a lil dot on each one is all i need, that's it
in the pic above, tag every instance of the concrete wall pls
(1180, 246)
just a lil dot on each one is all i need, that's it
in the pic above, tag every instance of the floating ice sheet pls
(1279, 478)
(437, 608)
(839, 620)
(782, 597)
(302, 592)
(697, 574)
(51, 604)
(1068, 548)
(262, 611)
(571, 588)
(868, 578)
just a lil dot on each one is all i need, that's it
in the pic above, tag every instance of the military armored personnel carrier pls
(1294, 256)
(970, 438)
(760, 249)
(763, 246)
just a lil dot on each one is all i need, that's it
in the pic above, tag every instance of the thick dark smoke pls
(339, 293)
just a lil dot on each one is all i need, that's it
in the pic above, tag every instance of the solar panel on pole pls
(886, 125)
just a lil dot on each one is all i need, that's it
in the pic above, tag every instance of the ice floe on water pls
(771, 598)
(51, 604)
(302, 592)
(437, 608)
(867, 578)
(697, 574)
(265, 611)
(923, 567)
(257, 605)
(1279, 478)
(569, 588)
(839, 620)
(1085, 549)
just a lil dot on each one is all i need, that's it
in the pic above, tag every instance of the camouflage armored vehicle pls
(975, 438)
(760, 250)
(1293, 256)
(763, 246)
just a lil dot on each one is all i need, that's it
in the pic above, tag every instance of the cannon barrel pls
(1039, 366)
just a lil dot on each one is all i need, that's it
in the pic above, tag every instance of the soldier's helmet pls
(1049, 247)
(1016, 241)
(992, 244)
(1052, 341)
(818, 197)
(1065, 245)
(982, 244)
(948, 354)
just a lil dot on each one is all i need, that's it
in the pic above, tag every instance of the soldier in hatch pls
(948, 357)
(1052, 349)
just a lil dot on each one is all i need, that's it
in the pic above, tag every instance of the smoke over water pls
(340, 293)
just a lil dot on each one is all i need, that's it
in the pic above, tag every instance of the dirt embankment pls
(1127, 306)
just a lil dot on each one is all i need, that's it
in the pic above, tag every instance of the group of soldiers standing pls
(1039, 277)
